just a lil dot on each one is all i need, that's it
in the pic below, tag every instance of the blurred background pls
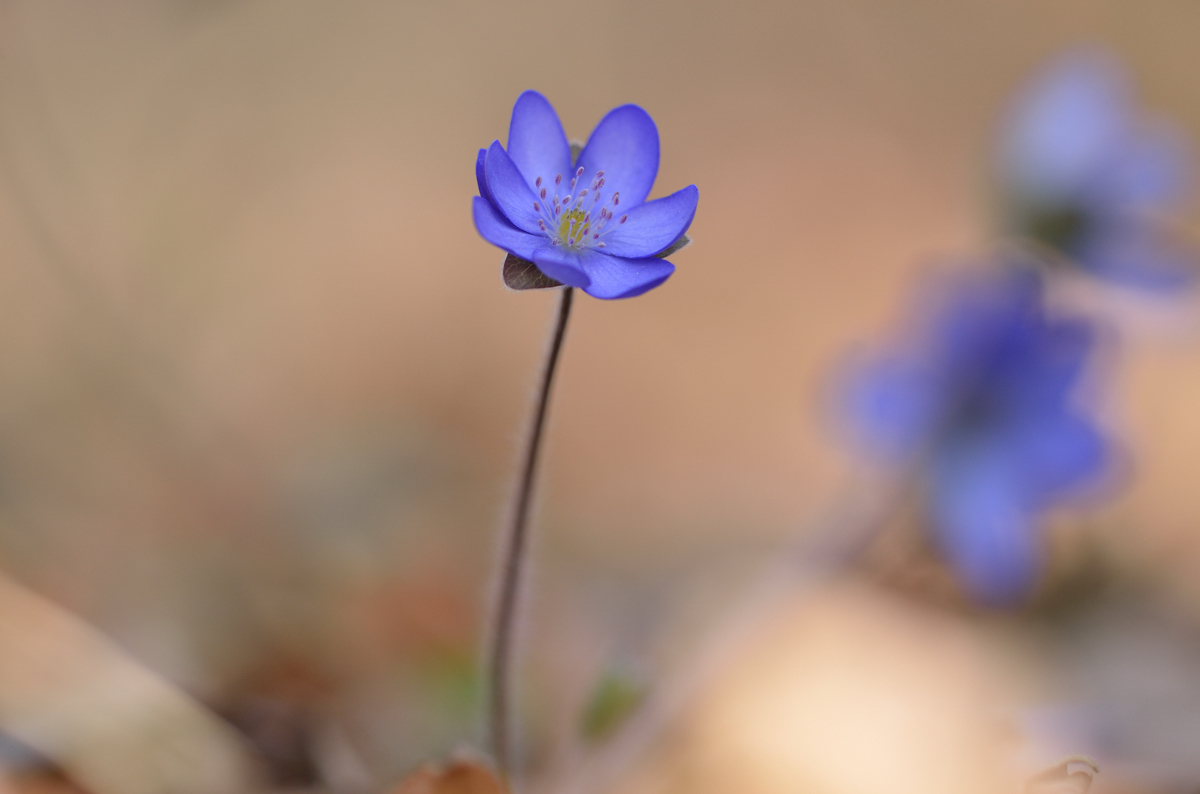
(261, 387)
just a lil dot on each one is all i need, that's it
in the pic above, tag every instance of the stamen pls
(543, 193)
(558, 179)
(583, 193)
(616, 198)
(538, 183)
(537, 207)
(623, 219)
(579, 173)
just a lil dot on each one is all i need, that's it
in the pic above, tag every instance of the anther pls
(579, 173)
(537, 207)
(599, 174)
(543, 193)
(558, 179)
(623, 218)
(538, 183)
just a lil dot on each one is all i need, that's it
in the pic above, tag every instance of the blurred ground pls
(260, 381)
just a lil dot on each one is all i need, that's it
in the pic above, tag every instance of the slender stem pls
(515, 552)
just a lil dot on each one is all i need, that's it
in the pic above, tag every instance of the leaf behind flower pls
(521, 274)
(683, 242)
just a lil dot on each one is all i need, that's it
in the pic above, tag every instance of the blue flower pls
(586, 223)
(1085, 174)
(983, 401)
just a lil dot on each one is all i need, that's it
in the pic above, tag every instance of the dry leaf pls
(1070, 776)
(459, 776)
(78, 699)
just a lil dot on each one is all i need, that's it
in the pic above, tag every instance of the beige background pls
(260, 381)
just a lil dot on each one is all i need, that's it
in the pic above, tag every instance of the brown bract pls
(459, 776)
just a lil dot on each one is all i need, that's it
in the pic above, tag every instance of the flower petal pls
(653, 226)
(1046, 362)
(892, 404)
(1137, 254)
(481, 177)
(536, 141)
(1059, 455)
(1066, 126)
(984, 526)
(509, 192)
(1153, 171)
(562, 264)
(620, 277)
(493, 227)
(624, 146)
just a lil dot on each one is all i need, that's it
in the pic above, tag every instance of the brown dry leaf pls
(459, 776)
(1070, 776)
(111, 724)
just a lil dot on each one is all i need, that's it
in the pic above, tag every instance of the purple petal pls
(653, 226)
(1066, 126)
(493, 227)
(1138, 254)
(481, 177)
(620, 277)
(509, 192)
(562, 264)
(536, 141)
(1153, 170)
(624, 146)
(603, 276)
(1047, 365)
(983, 525)
(892, 404)
(1058, 456)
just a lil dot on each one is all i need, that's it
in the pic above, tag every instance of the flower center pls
(576, 219)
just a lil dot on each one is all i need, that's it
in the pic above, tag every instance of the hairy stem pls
(514, 555)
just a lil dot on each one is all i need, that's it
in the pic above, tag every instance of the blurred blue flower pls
(1085, 174)
(586, 224)
(983, 401)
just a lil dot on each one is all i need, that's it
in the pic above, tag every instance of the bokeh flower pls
(586, 222)
(1090, 178)
(984, 401)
